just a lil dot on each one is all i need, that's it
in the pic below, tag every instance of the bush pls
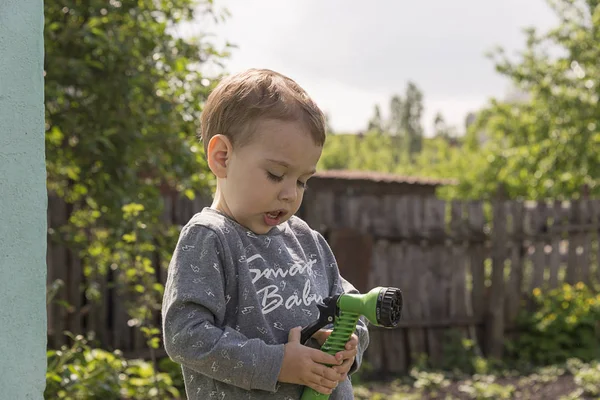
(565, 325)
(462, 355)
(82, 372)
(483, 387)
(586, 376)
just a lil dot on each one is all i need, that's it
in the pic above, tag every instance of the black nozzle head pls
(389, 307)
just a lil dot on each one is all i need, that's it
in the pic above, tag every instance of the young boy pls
(247, 274)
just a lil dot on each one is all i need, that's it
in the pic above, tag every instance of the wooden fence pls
(466, 266)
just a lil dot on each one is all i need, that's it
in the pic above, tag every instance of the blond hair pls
(239, 101)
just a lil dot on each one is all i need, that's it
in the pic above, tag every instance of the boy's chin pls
(260, 226)
(261, 230)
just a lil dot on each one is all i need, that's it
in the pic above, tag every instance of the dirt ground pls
(562, 386)
(526, 388)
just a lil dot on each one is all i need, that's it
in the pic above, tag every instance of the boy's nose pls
(289, 193)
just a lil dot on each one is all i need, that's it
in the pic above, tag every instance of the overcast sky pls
(350, 55)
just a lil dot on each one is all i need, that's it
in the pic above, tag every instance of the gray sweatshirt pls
(231, 298)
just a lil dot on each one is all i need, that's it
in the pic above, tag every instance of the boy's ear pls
(218, 154)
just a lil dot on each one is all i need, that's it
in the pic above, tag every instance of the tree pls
(440, 129)
(123, 100)
(396, 127)
(387, 145)
(444, 131)
(371, 151)
(411, 118)
(376, 122)
(545, 144)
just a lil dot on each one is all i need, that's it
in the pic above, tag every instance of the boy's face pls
(263, 182)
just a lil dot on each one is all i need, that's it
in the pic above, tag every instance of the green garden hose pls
(382, 306)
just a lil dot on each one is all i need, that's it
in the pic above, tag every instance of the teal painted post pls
(23, 201)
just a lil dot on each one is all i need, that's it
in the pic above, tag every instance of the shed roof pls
(373, 176)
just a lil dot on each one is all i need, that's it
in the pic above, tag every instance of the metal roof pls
(382, 177)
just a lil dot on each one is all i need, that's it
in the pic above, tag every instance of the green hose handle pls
(343, 328)
(382, 306)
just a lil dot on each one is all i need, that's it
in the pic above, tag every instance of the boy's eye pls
(274, 177)
(302, 185)
(277, 178)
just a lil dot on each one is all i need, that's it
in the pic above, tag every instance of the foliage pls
(483, 387)
(412, 110)
(358, 152)
(173, 369)
(587, 376)
(541, 144)
(462, 355)
(405, 123)
(123, 98)
(401, 134)
(578, 379)
(440, 157)
(429, 381)
(557, 351)
(544, 145)
(82, 372)
(566, 324)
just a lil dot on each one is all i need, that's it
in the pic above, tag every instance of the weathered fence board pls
(476, 224)
(555, 258)
(466, 266)
(514, 287)
(595, 207)
(400, 357)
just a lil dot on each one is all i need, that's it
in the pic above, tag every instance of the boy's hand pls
(346, 355)
(303, 365)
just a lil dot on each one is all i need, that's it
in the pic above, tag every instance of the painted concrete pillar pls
(23, 200)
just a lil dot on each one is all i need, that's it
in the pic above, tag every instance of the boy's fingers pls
(323, 333)
(343, 370)
(347, 364)
(326, 376)
(321, 357)
(345, 367)
(326, 383)
(295, 334)
(346, 354)
(353, 342)
(320, 389)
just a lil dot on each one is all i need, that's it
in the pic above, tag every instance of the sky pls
(352, 55)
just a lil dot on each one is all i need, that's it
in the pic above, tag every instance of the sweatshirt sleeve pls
(340, 285)
(193, 302)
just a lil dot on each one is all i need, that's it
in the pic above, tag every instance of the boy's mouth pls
(273, 218)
